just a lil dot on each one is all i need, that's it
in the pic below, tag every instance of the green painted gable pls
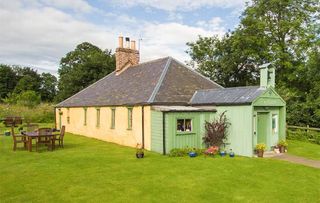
(269, 98)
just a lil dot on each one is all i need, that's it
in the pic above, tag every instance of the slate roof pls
(161, 81)
(227, 96)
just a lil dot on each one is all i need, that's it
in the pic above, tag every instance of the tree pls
(223, 61)
(82, 67)
(28, 98)
(8, 80)
(48, 88)
(28, 79)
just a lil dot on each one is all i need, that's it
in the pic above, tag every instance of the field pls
(89, 170)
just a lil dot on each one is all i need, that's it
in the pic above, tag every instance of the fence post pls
(307, 129)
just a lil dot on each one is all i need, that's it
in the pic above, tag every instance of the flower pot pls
(260, 153)
(281, 149)
(223, 153)
(192, 154)
(231, 154)
(139, 155)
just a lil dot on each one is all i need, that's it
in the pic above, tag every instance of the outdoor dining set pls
(42, 136)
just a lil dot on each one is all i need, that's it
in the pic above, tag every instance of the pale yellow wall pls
(120, 135)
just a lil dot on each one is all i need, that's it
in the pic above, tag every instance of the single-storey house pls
(163, 104)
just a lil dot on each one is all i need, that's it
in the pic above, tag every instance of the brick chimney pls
(126, 55)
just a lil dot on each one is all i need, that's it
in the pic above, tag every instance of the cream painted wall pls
(120, 134)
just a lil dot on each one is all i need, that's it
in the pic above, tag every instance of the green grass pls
(88, 170)
(304, 149)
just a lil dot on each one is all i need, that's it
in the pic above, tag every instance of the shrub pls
(180, 152)
(43, 113)
(28, 98)
(302, 135)
(216, 132)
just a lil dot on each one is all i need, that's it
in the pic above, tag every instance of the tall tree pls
(8, 80)
(48, 89)
(82, 67)
(28, 79)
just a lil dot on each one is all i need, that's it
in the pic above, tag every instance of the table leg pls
(30, 144)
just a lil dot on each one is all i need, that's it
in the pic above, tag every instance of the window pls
(129, 118)
(85, 116)
(274, 123)
(68, 116)
(98, 118)
(113, 118)
(184, 125)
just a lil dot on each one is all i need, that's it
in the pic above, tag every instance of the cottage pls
(163, 104)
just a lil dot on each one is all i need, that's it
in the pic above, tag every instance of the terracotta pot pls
(281, 149)
(260, 153)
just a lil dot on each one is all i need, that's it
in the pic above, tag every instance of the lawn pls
(305, 149)
(89, 170)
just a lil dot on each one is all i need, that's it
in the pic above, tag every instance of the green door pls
(263, 128)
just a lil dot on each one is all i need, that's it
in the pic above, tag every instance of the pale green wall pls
(240, 130)
(176, 139)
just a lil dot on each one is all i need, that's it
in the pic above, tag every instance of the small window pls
(184, 125)
(85, 116)
(274, 123)
(68, 115)
(98, 118)
(113, 118)
(129, 118)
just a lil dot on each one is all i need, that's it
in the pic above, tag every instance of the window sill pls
(185, 133)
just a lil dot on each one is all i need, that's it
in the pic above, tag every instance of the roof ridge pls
(151, 61)
(84, 89)
(161, 78)
(227, 88)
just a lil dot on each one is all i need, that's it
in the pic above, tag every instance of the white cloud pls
(181, 5)
(38, 35)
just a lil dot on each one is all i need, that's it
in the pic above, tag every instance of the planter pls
(192, 154)
(260, 153)
(223, 153)
(231, 154)
(139, 155)
(7, 133)
(281, 149)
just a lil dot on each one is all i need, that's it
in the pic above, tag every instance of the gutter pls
(142, 131)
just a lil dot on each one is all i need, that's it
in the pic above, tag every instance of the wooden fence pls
(307, 128)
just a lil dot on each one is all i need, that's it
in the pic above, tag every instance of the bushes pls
(184, 151)
(302, 135)
(43, 113)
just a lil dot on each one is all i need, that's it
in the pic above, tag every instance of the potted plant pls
(192, 153)
(140, 151)
(282, 144)
(7, 133)
(223, 152)
(231, 153)
(260, 149)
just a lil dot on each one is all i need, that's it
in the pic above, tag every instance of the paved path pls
(298, 160)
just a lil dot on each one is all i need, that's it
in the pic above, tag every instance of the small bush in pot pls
(140, 151)
(282, 144)
(260, 149)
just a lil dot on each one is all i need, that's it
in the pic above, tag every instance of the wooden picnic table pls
(35, 135)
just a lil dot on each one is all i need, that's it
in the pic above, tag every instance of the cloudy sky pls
(38, 33)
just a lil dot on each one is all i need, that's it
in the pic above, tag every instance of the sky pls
(38, 33)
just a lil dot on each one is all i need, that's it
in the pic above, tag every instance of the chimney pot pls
(120, 42)
(133, 45)
(128, 42)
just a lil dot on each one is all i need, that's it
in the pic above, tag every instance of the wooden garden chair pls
(60, 137)
(44, 137)
(32, 127)
(18, 139)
